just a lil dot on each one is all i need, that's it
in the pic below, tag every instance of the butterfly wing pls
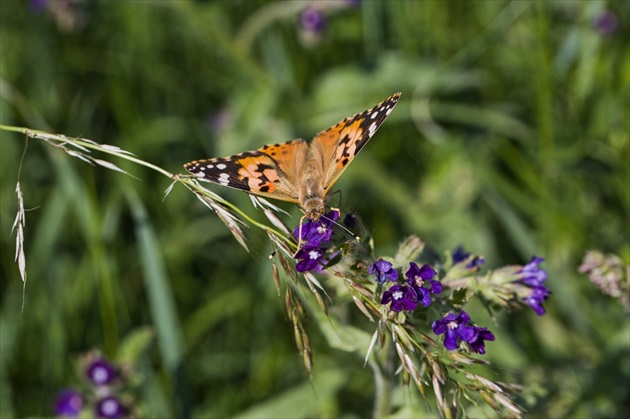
(269, 171)
(273, 170)
(340, 144)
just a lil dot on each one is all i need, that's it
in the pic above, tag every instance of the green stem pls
(36, 134)
(188, 182)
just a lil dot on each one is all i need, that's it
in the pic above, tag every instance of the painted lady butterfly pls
(297, 171)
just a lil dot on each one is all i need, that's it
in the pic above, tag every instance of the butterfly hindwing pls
(340, 144)
(267, 171)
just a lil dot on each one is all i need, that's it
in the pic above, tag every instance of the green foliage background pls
(511, 138)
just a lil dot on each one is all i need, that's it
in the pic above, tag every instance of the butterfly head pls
(314, 208)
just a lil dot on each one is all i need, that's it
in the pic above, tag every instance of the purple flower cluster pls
(100, 374)
(457, 328)
(315, 235)
(533, 277)
(416, 290)
(406, 296)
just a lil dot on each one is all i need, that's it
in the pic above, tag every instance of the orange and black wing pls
(269, 171)
(340, 144)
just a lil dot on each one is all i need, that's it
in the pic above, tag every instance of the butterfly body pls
(297, 171)
(312, 193)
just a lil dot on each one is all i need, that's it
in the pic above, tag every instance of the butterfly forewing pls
(267, 171)
(340, 144)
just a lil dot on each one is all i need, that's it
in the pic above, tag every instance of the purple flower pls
(68, 403)
(417, 277)
(383, 271)
(476, 342)
(536, 298)
(402, 298)
(459, 255)
(319, 232)
(310, 257)
(532, 274)
(312, 20)
(454, 327)
(533, 277)
(100, 372)
(110, 407)
(606, 23)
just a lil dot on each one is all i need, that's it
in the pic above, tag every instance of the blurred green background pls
(511, 138)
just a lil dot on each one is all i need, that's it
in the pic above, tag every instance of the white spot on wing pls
(224, 179)
(221, 166)
(372, 129)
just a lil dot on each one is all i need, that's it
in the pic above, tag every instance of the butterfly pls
(298, 171)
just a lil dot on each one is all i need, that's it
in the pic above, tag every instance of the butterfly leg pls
(336, 192)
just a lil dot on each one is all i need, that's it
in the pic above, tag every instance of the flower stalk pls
(407, 298)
